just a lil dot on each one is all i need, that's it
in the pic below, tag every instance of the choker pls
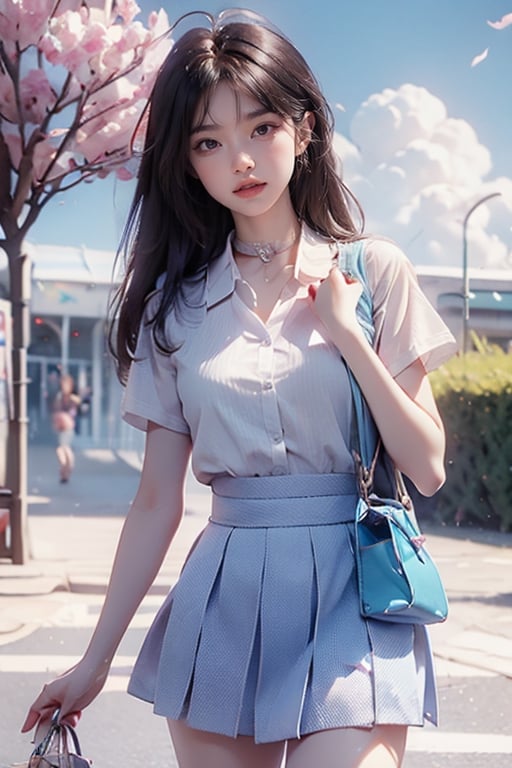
(264, 251)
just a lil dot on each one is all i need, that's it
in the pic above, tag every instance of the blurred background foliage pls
(474, 395)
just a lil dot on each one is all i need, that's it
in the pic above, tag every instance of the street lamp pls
(465, 275)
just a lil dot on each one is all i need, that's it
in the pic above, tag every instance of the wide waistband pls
(283, 500)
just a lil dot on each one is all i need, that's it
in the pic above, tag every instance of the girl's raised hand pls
(334, 301)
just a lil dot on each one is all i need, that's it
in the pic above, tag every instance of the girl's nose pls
(243, 162)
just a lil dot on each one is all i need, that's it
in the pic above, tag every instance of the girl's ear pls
(304, 131)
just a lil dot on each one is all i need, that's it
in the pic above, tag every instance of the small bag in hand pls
(60, 748)
(398, 580)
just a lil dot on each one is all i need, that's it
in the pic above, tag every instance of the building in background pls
(71, 289)
(490, 301)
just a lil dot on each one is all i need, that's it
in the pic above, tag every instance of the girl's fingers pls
(30, 721)
(42, 709)
(348, 276)
(71, 718)
(334, 272)
(40, 714)
(42, 718)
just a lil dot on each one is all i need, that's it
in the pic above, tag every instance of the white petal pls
(480, 57)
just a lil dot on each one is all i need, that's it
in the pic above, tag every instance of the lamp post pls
(465, 274)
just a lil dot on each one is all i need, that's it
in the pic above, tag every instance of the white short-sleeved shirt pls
(273, 398)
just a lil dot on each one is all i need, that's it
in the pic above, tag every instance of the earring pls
(301, 162)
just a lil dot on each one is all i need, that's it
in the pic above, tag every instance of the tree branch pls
(5, 176)
(7, 223)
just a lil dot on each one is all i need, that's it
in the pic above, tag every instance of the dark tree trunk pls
(17, 454)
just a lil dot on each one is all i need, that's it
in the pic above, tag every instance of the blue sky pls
(356, 48)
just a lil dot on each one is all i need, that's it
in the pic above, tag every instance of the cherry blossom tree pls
(74, 79)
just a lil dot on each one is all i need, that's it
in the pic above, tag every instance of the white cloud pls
(417, 172)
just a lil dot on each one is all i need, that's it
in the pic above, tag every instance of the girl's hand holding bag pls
(60, 748)
(398, 580)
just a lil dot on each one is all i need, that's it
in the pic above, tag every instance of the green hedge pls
(474, 395)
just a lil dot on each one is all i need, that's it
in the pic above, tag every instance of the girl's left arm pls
(403, 407)
(405, 413)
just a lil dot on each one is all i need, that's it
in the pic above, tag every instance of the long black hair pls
(174, 227)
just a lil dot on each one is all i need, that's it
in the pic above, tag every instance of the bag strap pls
(351, 261)
(366, 438)
(70, 734)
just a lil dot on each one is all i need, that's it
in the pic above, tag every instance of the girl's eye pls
(206, 145)
(265, 129)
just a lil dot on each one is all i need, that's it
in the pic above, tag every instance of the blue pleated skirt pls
(262, 633)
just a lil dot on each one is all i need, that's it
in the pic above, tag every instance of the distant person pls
(233, 331)
(64, 414)
(84, 412)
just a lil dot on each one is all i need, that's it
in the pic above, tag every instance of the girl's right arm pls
(148, 530)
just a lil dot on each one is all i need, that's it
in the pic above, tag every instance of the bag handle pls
(64, 733)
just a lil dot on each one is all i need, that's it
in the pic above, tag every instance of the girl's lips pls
(250, 190)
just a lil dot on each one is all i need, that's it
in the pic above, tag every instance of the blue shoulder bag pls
(398, 580)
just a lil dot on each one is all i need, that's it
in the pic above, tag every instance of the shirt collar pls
(314, 260)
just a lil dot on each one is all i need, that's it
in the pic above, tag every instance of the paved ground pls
(48, 607)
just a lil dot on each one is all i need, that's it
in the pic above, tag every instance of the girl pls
(232, 336)
(65, 411)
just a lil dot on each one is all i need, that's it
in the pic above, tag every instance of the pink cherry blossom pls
(8, 108)
(36, 95)
(82, 75)
(123, 173)
(95, 38)
(153, 20)
(67, 29)
(61, 45)
(104, 137)
(114, 59)
(50, 166)
(505, 21)
(481, 56)
(23, 21)
(127, 9)
(134, 36)
(44, 153)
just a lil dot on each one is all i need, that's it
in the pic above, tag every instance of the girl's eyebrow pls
(244, 118)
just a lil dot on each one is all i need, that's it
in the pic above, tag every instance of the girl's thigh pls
(380, 747)
(202, 749)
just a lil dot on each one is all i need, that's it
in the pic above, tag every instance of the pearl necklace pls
(264, 251)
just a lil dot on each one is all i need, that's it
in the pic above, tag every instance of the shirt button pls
(277, 438)
(279, 470)
(265, 343)
(267, 384)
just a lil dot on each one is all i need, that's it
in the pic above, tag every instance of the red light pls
(38, 321)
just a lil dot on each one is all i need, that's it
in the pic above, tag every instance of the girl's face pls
(244, 155)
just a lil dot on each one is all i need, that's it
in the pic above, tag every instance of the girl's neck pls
(278, 225)
(267, 262)
(265, 250)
